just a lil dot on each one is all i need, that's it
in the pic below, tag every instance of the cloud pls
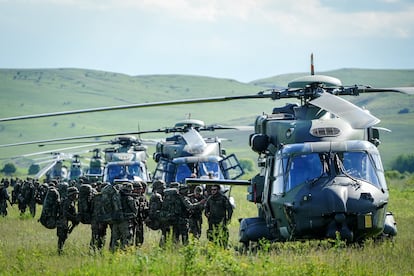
(307, 18)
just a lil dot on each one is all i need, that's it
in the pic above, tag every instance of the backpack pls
(154, 208)
(130, 206)
(27, 192)
(50, 211)
(108, 205)
(86, 194)
(170, 209)
(63, 190)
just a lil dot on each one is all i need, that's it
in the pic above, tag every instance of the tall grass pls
(27, 248)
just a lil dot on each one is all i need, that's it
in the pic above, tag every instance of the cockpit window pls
(134, 170)
(203, 169)
(117, 171)
(303, 168)
(183, 171)
(360, 166)
(210, 168)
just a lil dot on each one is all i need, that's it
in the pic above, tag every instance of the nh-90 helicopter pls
(55, 168)
(188, 154)
(127, 162)
(320, 169)
(75, 170)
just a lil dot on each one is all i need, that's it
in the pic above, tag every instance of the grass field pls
(27, 248)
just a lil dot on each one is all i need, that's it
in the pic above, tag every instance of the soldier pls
(122, 228)
(139, 195)
(218, 211)
(4, 197)
(98, 227)
(67, 214)
(24, 193)
(155, 205)
(196, 215)
(175, 211)
(181, 227)
(41, 193)
(29, 194)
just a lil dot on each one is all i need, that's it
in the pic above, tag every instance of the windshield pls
(117, 171)
(202, 169)
(302, 168)
(359, 165)
(307, 167)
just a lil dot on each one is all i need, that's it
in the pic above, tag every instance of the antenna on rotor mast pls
(312, 68)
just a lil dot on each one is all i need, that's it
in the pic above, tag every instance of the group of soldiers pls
(176, 210)
(26, 194)
(126, 221)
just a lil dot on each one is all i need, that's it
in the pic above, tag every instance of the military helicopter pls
(125, 161)
(75, 170)
(96, 165)
(188, 154)
(320, 169)
(55, 168)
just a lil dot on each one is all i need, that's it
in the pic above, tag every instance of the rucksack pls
(170, 209)
(154, 208)
(50, 211)
(108, 205)
(63, 190)
(86, 194)
(27, 192)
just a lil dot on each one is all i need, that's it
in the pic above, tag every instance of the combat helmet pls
(127, 187)
(198, 190)
(72, 190)
(137, 185)
(158, 185)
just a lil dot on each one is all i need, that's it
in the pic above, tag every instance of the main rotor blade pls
(354, 115)
(52, 151)
(153, 104)
(220, 127)
(403, 90)
(50, 141)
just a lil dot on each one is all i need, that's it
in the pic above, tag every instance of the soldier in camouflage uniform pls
(98, 227)
(218, 211)
(196, 215)
(181, 228)
(121, 235)
(25, 193)
(155, 205)
(4, 197)
(68, 213)
(139, 195)
(179, 211)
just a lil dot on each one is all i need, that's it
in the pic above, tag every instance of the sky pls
(243, 40)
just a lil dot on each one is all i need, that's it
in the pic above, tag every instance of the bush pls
(34, 169)
(403, 163)
(9, 169)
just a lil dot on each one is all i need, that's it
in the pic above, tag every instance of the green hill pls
(32, 91)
